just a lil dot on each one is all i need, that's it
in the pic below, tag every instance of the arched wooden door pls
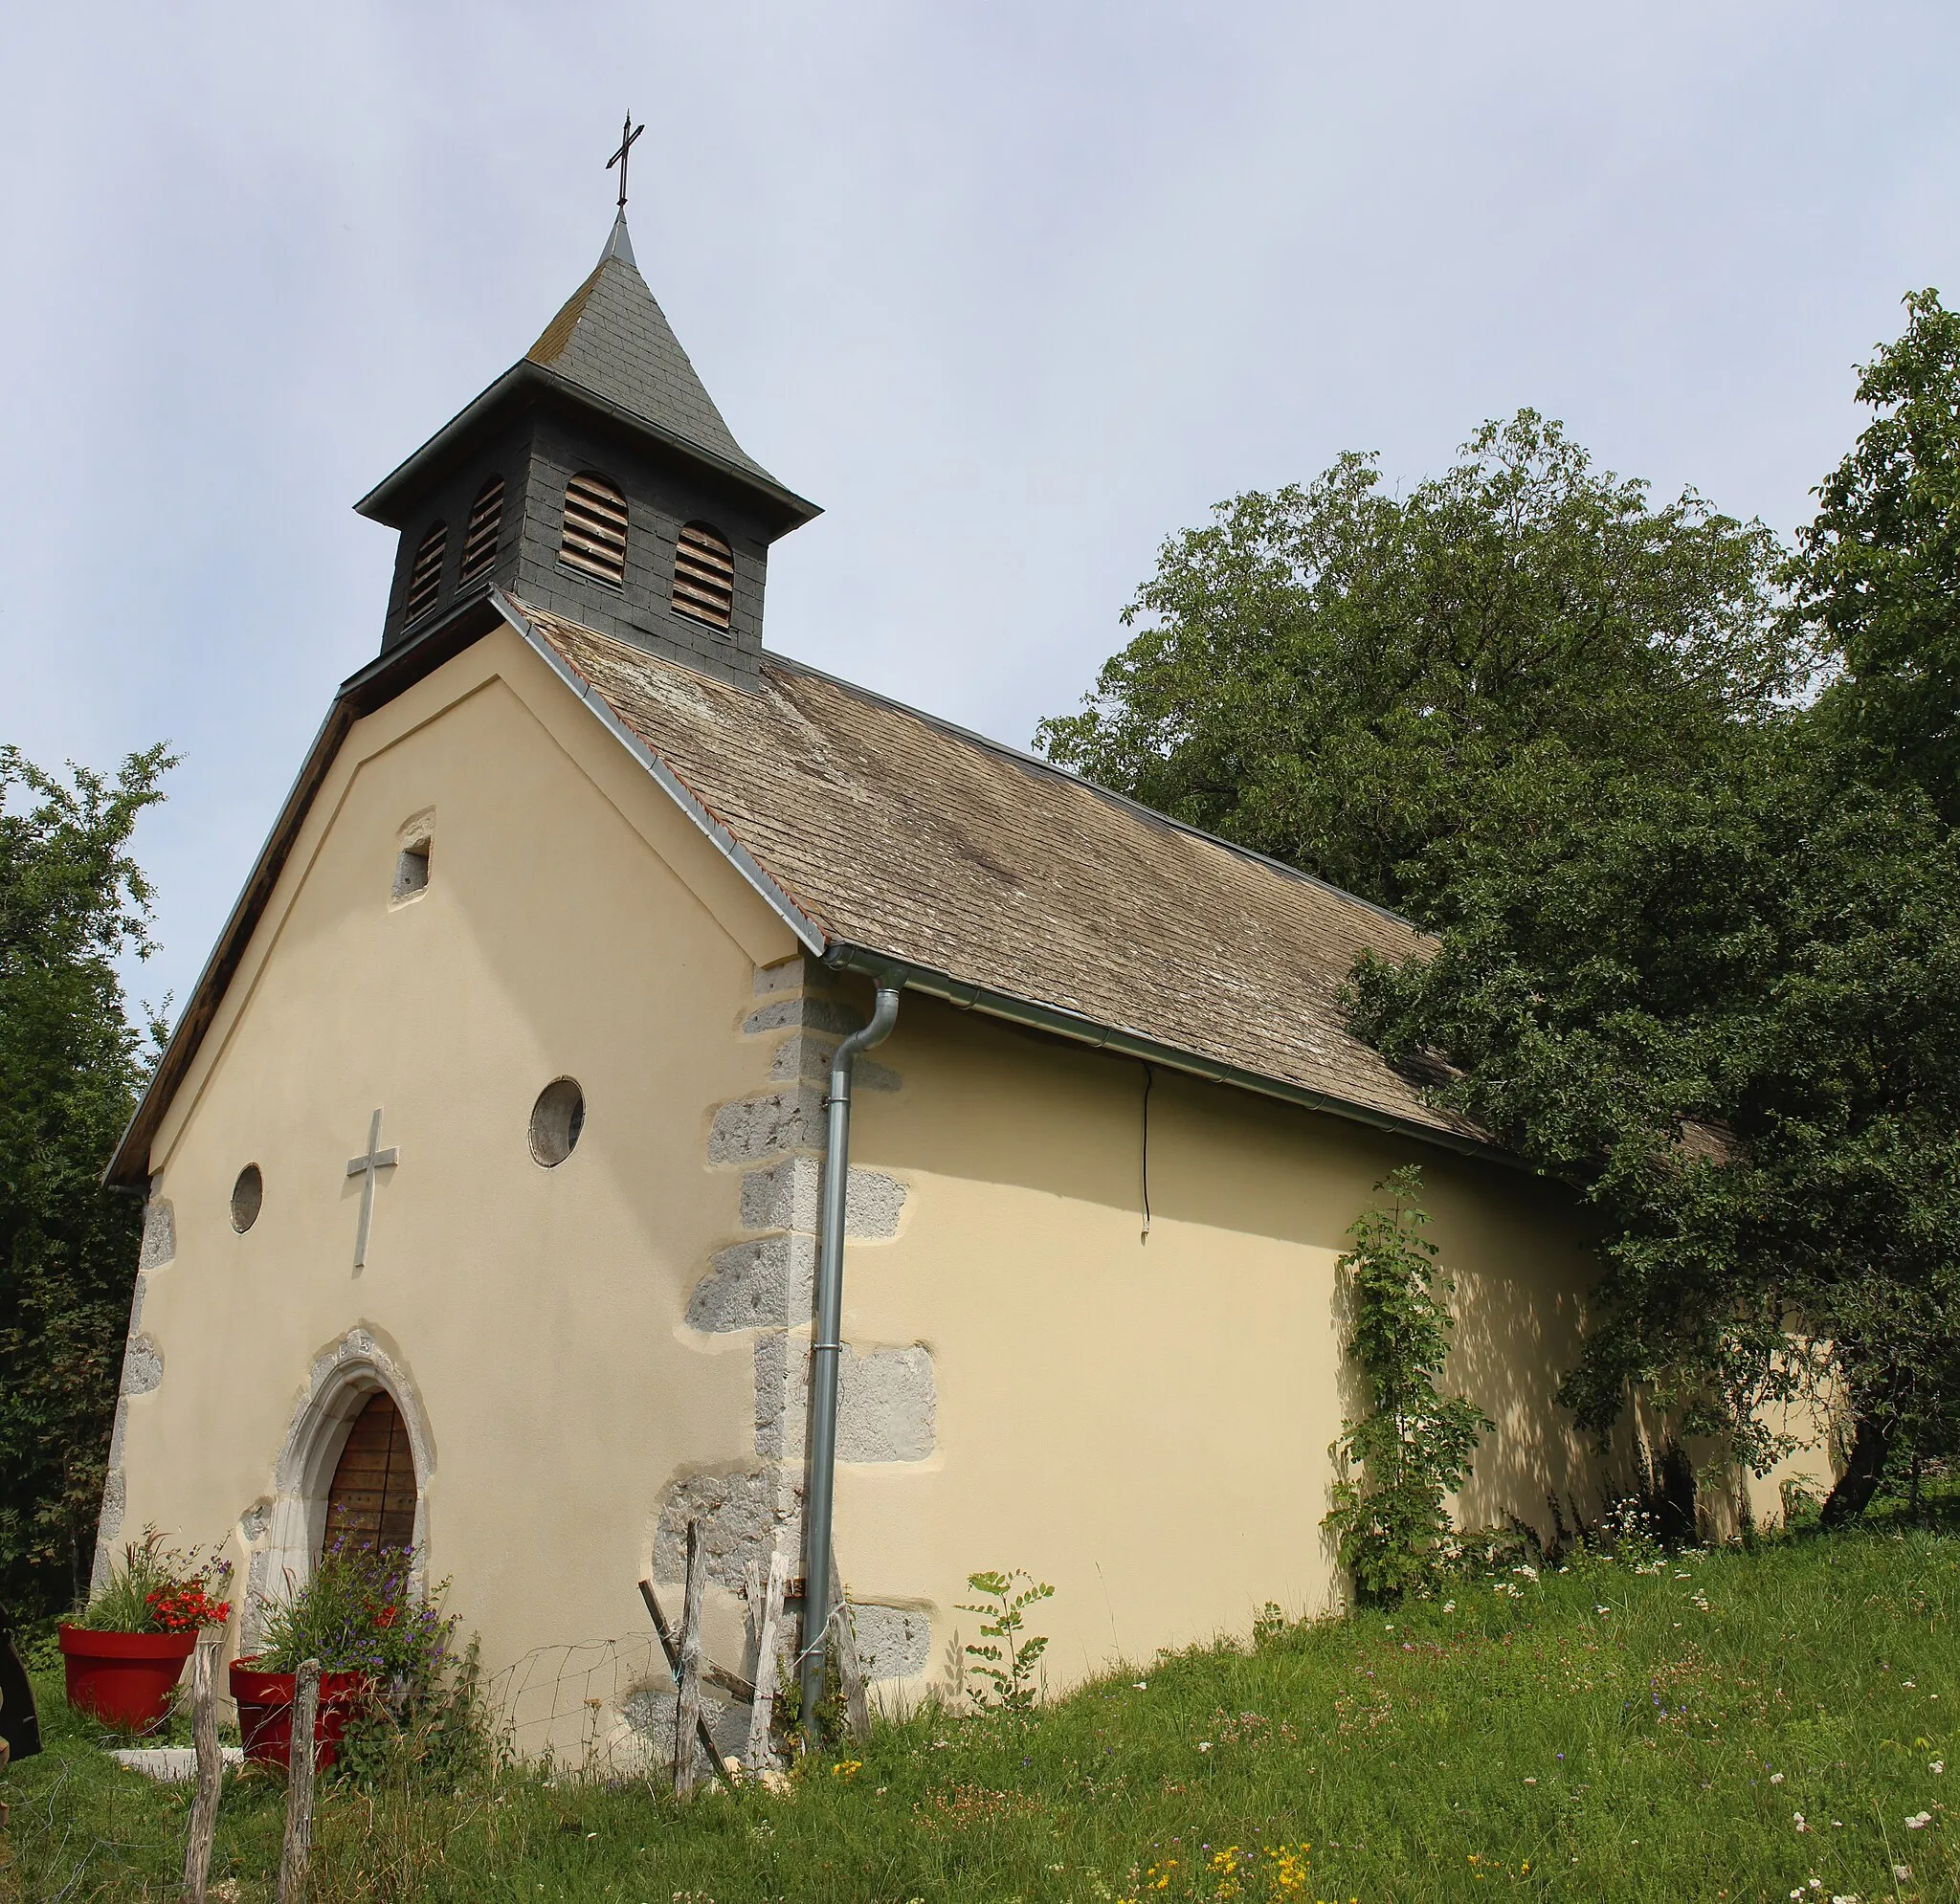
(372, 1501)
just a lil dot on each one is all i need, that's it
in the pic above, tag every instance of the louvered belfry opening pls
(371, 1504)
(594, 538)
(703, 575)
(425, 579)
(485, 524)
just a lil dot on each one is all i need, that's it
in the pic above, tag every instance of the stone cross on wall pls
(365, 1168)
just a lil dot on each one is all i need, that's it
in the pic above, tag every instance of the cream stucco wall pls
(1142, 1422)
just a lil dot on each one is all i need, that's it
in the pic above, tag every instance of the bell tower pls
(594, 480)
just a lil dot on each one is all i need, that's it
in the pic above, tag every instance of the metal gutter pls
(826, 1351)
(809, 934)
(968, 996)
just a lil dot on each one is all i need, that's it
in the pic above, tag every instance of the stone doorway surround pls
(283, 1532)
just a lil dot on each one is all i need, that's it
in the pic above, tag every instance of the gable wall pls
(575, 923)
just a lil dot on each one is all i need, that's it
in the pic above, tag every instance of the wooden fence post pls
(298, 1851)
(761, 1750)
(732, 1682)
(687, 1693)
(210, 1764)
(850, 1668)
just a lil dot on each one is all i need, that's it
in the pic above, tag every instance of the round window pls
(557, 1119)
(247, 1194)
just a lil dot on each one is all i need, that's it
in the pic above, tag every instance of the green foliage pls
(1336, 675)
(1550, 1726)
(359, 1611)
(157, 1588)
(72, 902)
(425, 1731)
(1005, 1664)
(1412, 1449)
(1875, 581)
(1725, 1005)
(1700, 959)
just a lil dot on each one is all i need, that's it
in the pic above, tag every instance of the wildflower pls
(1531, 1782)
(1919, 1821)
(1775, 1778)
(1449, 1605)
(1797, 1817)
(847, 1768)
(1902, 1871)
(1143, 1685)
(1204, 1745)
(1602, 1610)
(1939, 1766)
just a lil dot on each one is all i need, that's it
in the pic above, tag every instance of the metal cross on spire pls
(628, 133)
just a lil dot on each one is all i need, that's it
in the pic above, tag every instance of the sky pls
(1016, 291)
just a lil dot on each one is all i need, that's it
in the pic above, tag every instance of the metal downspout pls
(826, 1349)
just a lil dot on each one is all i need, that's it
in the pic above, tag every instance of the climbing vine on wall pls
(1412, 1448)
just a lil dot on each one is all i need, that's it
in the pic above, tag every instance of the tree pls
(72, 901)
(1876, 579)
(1726, 1007)
(1336, 675)
(1699, 956)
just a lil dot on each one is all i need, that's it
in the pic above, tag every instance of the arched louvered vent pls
(425, 579)
(479, 539)
(594, 538)
(703, 575)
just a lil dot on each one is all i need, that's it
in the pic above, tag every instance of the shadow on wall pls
(1522, 1274)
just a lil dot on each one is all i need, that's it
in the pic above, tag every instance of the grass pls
(1597, 1734)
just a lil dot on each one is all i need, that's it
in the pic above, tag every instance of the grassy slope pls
(1657, 1749)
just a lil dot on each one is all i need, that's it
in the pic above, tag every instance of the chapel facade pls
(485, 1169)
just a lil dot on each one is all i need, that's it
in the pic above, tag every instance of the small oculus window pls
(558, 1118)
(410, 872)
(485, 524)
(247, 1193)
(593, 541)
(425, 578)
(703, 575)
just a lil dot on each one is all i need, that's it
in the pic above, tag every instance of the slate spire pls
(612, 339)
(595, 479)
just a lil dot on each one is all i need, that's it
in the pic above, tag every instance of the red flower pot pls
(265, 1711)
(124, 1679)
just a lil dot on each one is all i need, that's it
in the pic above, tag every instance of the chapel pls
(647, 1079)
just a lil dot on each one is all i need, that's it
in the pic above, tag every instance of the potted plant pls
(361, 1617)
(125, 1653)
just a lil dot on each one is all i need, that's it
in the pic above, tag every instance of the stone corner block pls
(894, 1642)
(159, 1235)
(887, 1402)
(753, 1128)
(143, 1367)
(739, 1517)
(785, 975)
(788, 1196)
(766, 1282)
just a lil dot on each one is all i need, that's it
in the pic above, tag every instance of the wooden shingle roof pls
(914, 841)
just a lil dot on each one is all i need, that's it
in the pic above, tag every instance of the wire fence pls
(601, 1708)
